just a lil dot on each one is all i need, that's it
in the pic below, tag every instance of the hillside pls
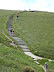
(37, 30)
(12, 59)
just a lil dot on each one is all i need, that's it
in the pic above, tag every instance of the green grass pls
(50, 64)
(13, 59)
(4, 17)
(7, 12)
(37, 30)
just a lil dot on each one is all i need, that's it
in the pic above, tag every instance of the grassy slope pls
(4, 16)
(12, 59)
(37, 29)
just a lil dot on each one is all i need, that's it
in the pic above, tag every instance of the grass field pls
(13, 59)
(37, 30)
(4, 17)
(6, 12)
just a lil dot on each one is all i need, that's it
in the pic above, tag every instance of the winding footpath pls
(21, 43)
